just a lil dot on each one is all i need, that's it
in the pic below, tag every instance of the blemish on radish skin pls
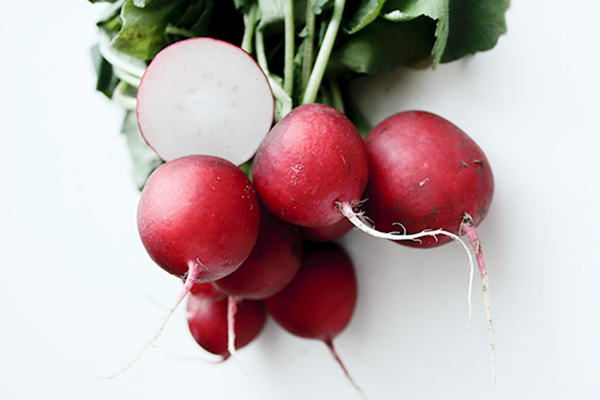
(423, 182)
(463, 164)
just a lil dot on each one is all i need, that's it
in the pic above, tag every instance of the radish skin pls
(319, 302)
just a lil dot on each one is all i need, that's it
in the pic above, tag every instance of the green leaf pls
(366, 13)
(383, 46)
(107, 81)
(143, 32)
(475, 25)
(243, 6)
(406, 10)
(145, 160)
(318, 6)
(141, 3)
(196, 17)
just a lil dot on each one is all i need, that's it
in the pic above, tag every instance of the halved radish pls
(204, 96)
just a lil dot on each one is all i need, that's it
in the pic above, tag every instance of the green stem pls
(173, 30)
(337, 99)
(309, 45)
(288, 69)
(249, 27)
(323, 56)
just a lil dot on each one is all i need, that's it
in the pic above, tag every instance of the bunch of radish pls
(246, 244)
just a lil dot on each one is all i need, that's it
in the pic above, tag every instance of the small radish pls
(272, 264)
(207, 309)
(320, 300)
(204, 96)
(198, 218)
(426, 173)
(312, 159)
(270, 267)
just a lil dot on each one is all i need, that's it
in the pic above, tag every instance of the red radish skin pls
(207, 309)
(327, 233)
(425, 173)
(272, 264)
(320, 300)
(199, 210)
(310, 160)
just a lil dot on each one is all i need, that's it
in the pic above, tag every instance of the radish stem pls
(288, 69)
(318, 71)
(309, 45)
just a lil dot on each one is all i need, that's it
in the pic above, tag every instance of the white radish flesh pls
(204, 96)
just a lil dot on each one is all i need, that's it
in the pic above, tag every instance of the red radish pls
(207, 309)
(198, 218)
(199, 210)
(311, 159)
(327, 233)
(271, 266)
(320, 300)
(204, 96)
(312, 168)
(425, 173)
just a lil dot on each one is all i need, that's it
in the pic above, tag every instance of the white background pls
(79, 293)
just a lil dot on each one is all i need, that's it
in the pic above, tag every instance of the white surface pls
(73, 270)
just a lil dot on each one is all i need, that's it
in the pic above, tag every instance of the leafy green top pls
(308, 49)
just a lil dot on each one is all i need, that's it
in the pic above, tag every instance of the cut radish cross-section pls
(204, 96)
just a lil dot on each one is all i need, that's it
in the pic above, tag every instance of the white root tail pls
(469, 229)
(359, 221)
(187, 286)
(232, 307)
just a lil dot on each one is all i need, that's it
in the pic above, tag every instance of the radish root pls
(469, 229)
(329, 344)
(192, 274)
(360, 221)
(232, 306)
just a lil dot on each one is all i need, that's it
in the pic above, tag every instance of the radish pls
(426, 173)
(271, 266)
(198, 218)
(207, 309)
(320, 300)
(204, 96)
(311, 159)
